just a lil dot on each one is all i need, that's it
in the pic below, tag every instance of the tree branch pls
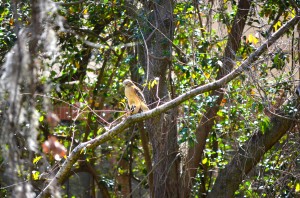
(69, 4)
(247, 157)
(119, 128)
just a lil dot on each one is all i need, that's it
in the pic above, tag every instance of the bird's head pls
(127, 83)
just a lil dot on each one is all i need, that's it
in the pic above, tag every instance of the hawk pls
(135, 97)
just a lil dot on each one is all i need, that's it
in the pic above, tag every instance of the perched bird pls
(135, 97)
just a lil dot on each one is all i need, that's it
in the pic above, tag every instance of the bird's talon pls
(132, 108)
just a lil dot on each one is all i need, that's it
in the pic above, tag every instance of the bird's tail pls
(144, 107)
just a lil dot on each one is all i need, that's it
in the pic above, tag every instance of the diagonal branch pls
(248, 156)
(108, 135)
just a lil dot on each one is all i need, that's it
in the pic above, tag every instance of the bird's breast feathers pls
(131, 95)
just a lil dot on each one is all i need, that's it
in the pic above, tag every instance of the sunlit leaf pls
(252, 39)
(41, 118)
(193, 76)
(77, 65)
(153, 83)
(292, 14)
(85, 11)
(36, 159)
(297, 189)
(277, 25)
(35, 175)
(207, 75)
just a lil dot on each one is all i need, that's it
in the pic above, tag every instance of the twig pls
(69, 4)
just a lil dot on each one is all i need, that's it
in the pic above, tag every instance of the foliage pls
(98, 47)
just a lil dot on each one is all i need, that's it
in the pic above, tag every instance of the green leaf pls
(264, 124)
(41, 119)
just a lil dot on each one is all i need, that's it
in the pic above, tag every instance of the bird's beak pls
(125, 82)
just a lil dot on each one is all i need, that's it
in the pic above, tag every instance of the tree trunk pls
(162, 129)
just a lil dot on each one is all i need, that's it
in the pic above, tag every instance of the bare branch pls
(69, 4)
(101, 46)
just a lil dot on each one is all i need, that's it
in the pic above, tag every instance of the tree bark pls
(247, 157)
(147, 156)
(162, 129)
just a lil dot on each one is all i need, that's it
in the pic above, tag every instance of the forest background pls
(220, 79)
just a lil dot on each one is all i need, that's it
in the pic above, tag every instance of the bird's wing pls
(139, 93)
